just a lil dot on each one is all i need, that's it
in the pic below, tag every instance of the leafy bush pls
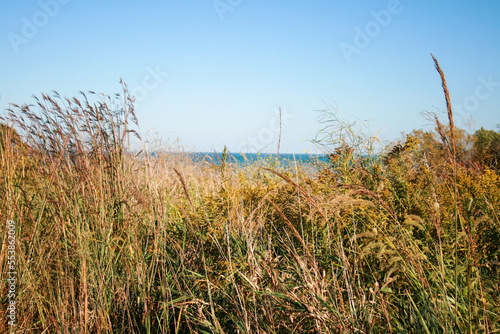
(487, 148)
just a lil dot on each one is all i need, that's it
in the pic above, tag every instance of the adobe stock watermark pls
(150, 82)
(483, 91)
(31, 26)
(364, 36)
(11, 272)
(269, 134)
(223, 6)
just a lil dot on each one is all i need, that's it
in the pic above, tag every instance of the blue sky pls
(214, 73)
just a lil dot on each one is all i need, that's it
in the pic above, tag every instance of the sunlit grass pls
(110, 241)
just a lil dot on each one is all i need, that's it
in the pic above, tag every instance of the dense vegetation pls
(407, 242)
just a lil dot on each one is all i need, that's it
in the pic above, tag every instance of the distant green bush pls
(487, 148)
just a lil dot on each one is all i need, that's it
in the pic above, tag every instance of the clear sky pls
(214, 73)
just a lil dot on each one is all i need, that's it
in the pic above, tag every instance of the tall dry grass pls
(110, 241)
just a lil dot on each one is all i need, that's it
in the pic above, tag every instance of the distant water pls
(284, 159)
(251, 158)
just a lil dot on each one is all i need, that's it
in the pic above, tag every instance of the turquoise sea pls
(243, 159)
(249, 158)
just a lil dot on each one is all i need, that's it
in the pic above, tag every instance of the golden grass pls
(109, 241)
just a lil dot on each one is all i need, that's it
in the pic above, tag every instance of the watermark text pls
(150, 82)
(11, 272)
(31, 26)
(223, 6)
(483, 91)
(364, 36)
